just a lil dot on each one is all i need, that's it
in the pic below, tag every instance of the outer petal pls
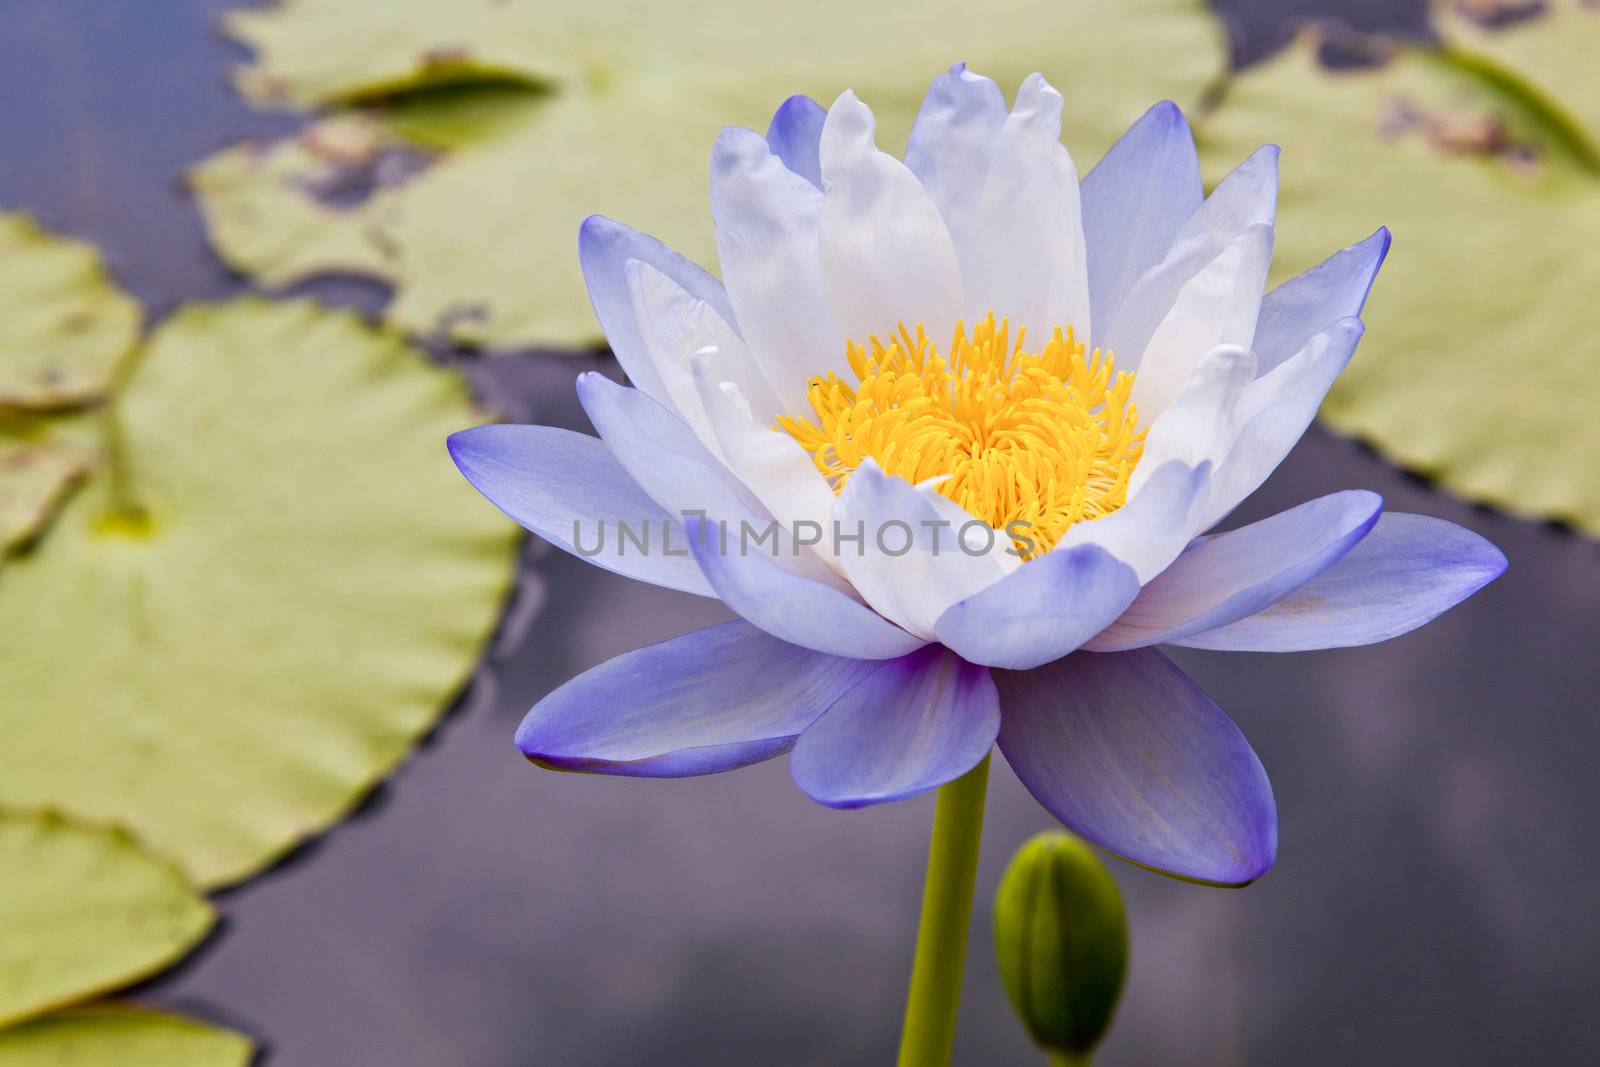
(951, 144)
(604, 249)
(794, 135)
(1134, 202)
(1406, 572)
(556, 483)
(913, 724)
(1041, 611)
(1274, 411)
(1025, 257)
(797, 609)
(1309, 303)
(1128, 752)
(1227, 577)
(767, 220)
(1246, 197)
(886, 255)
(708, 701)
(909, 564)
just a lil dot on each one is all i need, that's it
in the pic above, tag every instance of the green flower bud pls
(1061, 938)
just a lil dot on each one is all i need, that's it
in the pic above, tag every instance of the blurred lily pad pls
(466, 198)
(36, 476)
(227, 646)
(85, 909)
(117, 1035)
(65, 327)
(1481, 362)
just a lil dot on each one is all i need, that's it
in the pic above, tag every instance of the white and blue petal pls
(913, 724)
(912, 553)
(951, 144)
(795, 136)
(768, 221)
(1240, 211)
(1406, 572)
(886, 255)
(708, 701)
(1229, 576)
(562, 486)
(1307, 304)
(754, 580)
(1128, 753)
(1135, 200)
(1024, 258)
(605, 249)
(1273, 413)
(1042, 611)
(1149, 531)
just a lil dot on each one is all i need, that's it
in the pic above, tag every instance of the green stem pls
(1068, 1059)
(929, 1034)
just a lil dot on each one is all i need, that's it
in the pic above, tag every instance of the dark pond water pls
(1434, 901)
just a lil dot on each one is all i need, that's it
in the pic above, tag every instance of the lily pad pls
(85, 909)
(117, 1035)
(65, 327)
(229, 646)
(467, 198)
(36, 476)
(1481, 362)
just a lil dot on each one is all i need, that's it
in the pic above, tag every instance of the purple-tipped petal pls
(800, 610)
(1134, 202)
(1041, 611)
(794, 134)
(708, 701)
(563, 485)
(1309, 303)
(1128, 753)
(951, 144)
(1406, 572)
(1230, 576)
(604, 249)
(913, 724)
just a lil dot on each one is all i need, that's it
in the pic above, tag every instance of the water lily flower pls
(981, 416)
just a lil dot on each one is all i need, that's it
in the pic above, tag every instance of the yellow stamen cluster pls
(1043, 440)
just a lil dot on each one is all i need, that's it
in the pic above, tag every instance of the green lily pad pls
(36, 476)
(117, 1035)
(467, 198)
(1480, 363)
(85, 909)
(66, 328)
(227, 648)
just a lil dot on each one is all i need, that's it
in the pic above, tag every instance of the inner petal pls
(1029, 442)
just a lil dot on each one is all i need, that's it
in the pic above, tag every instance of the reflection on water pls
(1432, 904)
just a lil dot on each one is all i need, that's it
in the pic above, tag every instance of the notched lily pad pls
(230, 646)
(479, 245)
(1481, 363)
(121, 1035)
(65, 327)
(85, 910)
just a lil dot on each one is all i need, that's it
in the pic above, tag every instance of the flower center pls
(1028, 442)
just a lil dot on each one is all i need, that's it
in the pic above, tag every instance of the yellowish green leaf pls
(117, 1035)
(85, 910)
(37, 472)
(65, 327)
(476, 192)
(229, 645)
(1481, 362)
